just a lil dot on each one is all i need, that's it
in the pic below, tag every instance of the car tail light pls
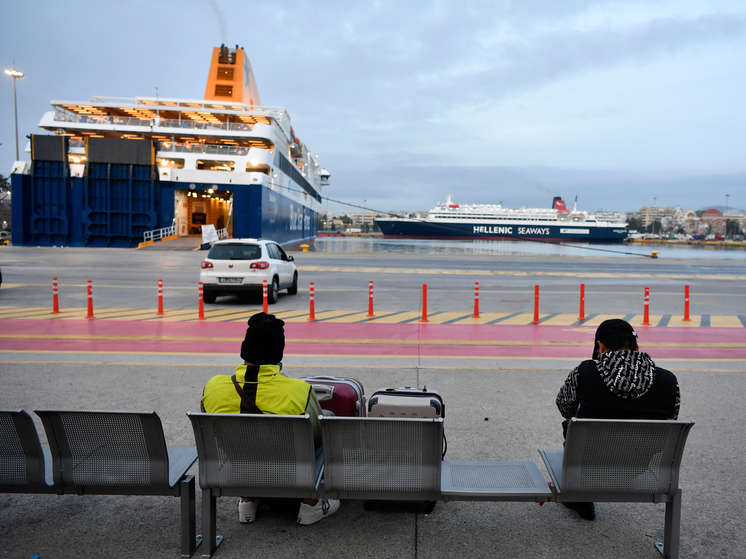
(206, 265)
(259, 265)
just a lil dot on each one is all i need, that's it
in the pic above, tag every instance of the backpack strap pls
(246, 400)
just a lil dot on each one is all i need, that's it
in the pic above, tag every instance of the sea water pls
(526, 248)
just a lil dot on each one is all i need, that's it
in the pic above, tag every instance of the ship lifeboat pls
(453, 206)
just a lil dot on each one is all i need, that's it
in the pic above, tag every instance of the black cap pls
(612, 327)
(264, 341)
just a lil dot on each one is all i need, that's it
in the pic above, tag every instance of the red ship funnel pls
(559, 205)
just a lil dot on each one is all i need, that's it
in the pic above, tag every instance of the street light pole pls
(15, 74)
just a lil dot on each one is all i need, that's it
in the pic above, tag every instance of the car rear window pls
(235, 252)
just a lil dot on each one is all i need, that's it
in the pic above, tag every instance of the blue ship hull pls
(116, 203)
(513, 231)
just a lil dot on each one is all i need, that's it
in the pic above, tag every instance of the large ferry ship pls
(456, 221)
(116, 170)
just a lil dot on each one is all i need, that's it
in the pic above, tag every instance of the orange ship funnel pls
(231, 79)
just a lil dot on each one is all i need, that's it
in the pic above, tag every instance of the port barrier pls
(646, 315)
(90, 300)
(160, 299)
(312, 310)
(55, 300)
(265, 307)
(424, 303)
(370, 299)
(536, 305)
(476, 300)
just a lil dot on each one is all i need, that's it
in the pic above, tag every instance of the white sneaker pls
(247, 511)
(308, 514)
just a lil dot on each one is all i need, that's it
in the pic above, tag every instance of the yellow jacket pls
(272, 392)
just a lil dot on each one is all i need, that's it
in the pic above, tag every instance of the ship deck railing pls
(61, 116)
(159, 234)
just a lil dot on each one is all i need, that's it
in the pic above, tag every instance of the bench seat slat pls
(493, 481)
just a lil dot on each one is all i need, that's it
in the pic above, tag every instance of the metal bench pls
(245, 455)
(386, 458)
(25, 464)
(623, 461)
(121, 453)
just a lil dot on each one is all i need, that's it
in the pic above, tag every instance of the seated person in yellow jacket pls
(260, 387)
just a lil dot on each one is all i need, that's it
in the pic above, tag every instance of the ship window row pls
(494, 217)
(291, 171)
(211, 165)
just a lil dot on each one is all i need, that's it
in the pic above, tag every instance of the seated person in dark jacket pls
(620, 382)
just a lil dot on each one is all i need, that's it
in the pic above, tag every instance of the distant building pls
(609, 215)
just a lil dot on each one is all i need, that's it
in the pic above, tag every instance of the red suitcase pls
(345, 397)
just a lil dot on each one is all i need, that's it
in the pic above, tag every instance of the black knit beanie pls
(264, 341)
(614, 327)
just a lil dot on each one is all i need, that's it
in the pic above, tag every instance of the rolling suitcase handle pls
(324, 392)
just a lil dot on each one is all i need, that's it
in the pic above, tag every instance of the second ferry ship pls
(483, 221)
(117, 169)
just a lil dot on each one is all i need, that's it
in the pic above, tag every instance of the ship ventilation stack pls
(231, 79)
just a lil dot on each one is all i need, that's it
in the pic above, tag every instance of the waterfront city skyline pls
(615, 102)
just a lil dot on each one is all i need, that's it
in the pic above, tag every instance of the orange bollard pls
(536, 305)
(476, 300)
(370, 299)
(160, 298)
(581, 316)
(312, 310)
(90, 300)
(265, 308)
(201, 303)
(686, 304)
(424, 303)
(646, 316)
(55, 301)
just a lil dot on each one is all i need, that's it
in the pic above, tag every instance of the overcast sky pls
(616, 102)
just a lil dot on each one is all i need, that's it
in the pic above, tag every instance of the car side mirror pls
(290, 258)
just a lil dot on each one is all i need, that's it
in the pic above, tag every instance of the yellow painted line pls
(359, 317)
(677, 321)
(483, 318)
(443, 317)
(564, 319)
(521, 319)
(367, 357)
(725, 322)
(33, 312)
(638, 318)
(399, 318)
(359, 367)
(350, 316)
(365, 341)
(442, 272)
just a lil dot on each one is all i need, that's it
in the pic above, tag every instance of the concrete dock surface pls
(499, 382)
(499, 413)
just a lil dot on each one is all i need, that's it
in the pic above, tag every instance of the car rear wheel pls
(274, 291)
(209, 298)
(293, 289)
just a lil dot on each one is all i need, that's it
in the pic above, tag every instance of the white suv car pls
(239, 266)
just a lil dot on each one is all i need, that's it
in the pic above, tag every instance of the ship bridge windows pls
(169, 163)
(214, 165)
